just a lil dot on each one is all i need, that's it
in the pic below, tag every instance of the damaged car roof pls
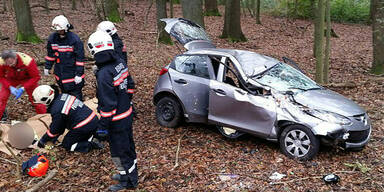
(252, 63)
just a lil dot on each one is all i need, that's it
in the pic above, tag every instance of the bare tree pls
(257, 11)
(232, 25)
(74, 5)
(211, 8)
(378, 37)
(161, 12)
(111, 10)
(192, 10)
(319, 41)
(25, 30)
(327, 52)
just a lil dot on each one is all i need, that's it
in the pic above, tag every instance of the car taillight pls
(163, 71)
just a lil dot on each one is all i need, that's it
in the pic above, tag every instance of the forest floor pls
(208, 161)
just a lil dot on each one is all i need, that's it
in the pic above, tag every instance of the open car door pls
(187, 33)
(232, 106)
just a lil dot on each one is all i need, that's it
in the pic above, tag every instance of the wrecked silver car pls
(245, 92)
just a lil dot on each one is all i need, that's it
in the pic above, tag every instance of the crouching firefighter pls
(68, 112)
(114, 105)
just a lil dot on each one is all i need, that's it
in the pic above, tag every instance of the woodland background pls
(207, 161)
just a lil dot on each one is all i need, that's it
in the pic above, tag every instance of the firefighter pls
(65, 50)
(119, 48)
(114, 106)
(68, 112)
(18, 69)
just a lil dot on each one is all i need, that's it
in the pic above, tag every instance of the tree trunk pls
(74, 5)
(99, 9)
(171, 8)
(378, 37)
(161, 12)
(61, 7)
(211, 8)
(111, 9)
(319, 41)
(192, 10)
(257, 11)
(25, 30)
(46, 4)
(327, 42)
(232, 25)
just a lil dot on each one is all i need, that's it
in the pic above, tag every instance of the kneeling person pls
(68, 112)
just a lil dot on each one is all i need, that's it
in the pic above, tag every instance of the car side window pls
(196, 65)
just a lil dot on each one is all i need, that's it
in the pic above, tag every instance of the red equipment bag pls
(36, 166)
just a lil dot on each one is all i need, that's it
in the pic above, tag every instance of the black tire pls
(233, 135)
(168, 112)
(298, 142)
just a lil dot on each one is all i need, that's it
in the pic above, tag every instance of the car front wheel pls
(299, 142)
(168, 112)
(229, 132)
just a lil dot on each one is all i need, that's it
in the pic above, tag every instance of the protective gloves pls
(13, 90)
(19, 92)
(46, 72)
(41, 144)
(78, 79)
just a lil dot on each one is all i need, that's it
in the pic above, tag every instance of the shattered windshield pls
(187, 31)
(283, 77)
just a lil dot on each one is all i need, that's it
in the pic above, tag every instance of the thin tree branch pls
(50, 175)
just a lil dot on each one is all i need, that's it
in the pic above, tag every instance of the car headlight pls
(329, 116)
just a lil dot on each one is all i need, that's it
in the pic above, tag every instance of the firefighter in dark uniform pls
(65, 51)
(119, 47)
(68, 112)
(114, 106)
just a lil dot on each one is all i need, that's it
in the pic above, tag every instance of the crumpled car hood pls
(328, 100)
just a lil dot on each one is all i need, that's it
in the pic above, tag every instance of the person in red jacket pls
(18, 73)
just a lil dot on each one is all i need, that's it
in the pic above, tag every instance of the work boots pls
(124, 183)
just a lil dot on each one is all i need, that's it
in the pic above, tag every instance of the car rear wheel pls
(229, 132)
(299, 142)
(168, 112)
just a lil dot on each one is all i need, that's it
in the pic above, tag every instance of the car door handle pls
(219, 91)
(240, 91)
(181, 81)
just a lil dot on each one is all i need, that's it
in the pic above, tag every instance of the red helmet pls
(36, 166)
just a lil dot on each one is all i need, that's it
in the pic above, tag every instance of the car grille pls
(358, 136)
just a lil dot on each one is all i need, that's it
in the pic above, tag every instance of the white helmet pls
(60, 23)
(43, 94)
(99, 41)
(107, 26)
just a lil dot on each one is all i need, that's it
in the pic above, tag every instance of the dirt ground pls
(208, 161)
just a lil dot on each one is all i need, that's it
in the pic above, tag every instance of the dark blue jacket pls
(120, 48)
(68, 112)
(67, 54)
(114, 101)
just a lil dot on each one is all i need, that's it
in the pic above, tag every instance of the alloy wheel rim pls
(167, 111)
(297, 143)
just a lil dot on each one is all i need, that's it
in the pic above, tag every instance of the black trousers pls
(80, 139)
(123, 151)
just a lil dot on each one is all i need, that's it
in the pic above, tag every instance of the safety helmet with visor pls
(99, 41)
(107, 27)
(43, 94)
